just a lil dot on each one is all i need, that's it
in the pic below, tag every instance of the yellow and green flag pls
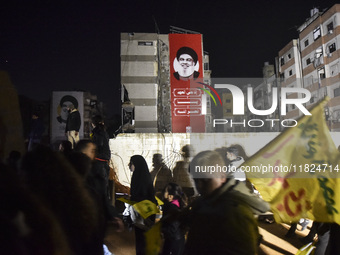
(297, 172)
(145, 208)
(153, 239)
(153, 236)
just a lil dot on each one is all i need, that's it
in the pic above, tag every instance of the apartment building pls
(312, 62)
(139, 75)
(147, 105)
(290, 73)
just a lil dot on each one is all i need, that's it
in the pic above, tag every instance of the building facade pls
(290, 73)
(139, 75)
(312, 62)
(145, 78)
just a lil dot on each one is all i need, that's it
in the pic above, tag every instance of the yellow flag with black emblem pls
(146, 208)
(153, 239)
(298, 172)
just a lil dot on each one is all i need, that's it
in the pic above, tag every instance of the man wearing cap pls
(73, 125)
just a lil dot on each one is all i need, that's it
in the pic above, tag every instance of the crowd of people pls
(58, 201)
(209, 214)
(61, 201)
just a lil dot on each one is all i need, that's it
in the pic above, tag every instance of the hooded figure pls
(141, 189)
(141, 183)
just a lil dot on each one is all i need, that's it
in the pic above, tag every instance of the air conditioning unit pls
(330, 31)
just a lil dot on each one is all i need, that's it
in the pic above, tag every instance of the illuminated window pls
(322, 73)
(316, 33)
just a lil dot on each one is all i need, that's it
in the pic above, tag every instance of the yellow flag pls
(297, 172)
(124, 200)
(153, 239)
(307, 249)
(160, 202)
(146, 208)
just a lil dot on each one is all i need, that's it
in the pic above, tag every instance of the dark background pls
(66, 45)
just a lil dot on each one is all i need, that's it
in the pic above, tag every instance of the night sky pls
(65, 45)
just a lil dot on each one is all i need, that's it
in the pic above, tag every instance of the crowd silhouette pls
(61, 202)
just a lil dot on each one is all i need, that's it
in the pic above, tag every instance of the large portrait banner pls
(186, 68)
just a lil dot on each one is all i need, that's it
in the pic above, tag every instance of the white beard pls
(186, 71)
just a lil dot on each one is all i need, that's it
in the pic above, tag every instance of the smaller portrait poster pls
(59, 113)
